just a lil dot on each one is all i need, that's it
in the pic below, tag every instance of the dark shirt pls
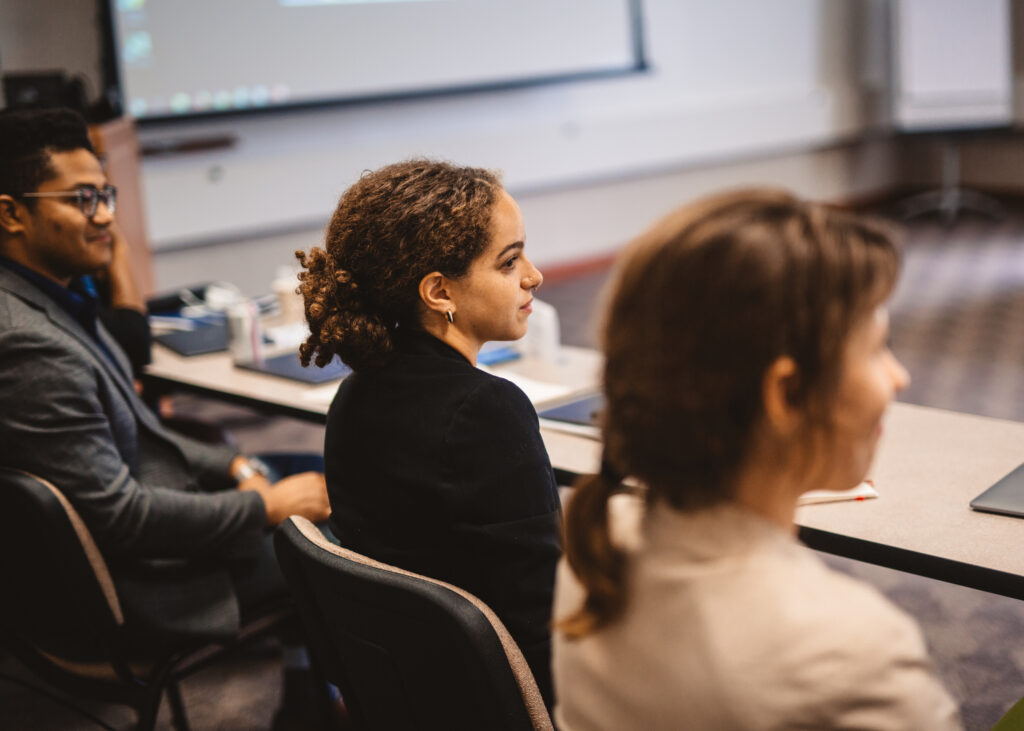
(439, 468)
(78, 299)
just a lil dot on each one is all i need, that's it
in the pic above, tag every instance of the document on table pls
(863, 491)
(538, 392)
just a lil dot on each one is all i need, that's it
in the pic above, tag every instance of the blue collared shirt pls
(78, 299)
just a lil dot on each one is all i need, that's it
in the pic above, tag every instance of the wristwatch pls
(250, 468)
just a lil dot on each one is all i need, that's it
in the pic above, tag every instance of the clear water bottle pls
(245, 334)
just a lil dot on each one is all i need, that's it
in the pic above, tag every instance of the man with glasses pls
(153, 500)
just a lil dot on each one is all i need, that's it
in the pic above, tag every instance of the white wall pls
(729, 78)
(739, 91)
(576, 222)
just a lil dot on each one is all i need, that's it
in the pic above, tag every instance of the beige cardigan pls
(731, 623)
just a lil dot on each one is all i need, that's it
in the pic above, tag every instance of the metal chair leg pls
(148, 710)
(178, 717)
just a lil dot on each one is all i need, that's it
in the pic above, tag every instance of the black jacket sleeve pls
(56, 423)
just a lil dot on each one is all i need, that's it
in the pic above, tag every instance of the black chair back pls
(60, 593)
(407, 651)
(62, 618)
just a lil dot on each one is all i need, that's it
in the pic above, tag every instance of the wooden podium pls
(117, 146)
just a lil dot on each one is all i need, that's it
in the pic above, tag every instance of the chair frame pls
(114, 677)
(310, 563)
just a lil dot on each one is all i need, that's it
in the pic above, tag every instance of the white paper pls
(537, 391)
(863, 491)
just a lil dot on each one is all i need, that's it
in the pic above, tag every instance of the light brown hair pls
(701, 305)
(394, 226)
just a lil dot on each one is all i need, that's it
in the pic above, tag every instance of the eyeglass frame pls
(107, 194)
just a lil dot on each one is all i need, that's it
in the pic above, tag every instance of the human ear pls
(11, 215)
(778, 387)
(433, 291)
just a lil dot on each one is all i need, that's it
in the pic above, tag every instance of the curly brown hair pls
(393, 227)
(701, 305)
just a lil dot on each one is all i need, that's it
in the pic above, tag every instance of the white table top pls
(930, 464)
(577, 370)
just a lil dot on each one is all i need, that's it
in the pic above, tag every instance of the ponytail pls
(598, 564)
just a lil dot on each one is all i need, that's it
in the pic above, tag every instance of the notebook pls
(205, 337)
(1006, 497)
(580, 416)
(287, 365)
(584, 411)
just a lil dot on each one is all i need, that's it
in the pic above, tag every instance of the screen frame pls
(115, 90)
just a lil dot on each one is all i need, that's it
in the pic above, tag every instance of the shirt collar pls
(78, 299)
(417, 341)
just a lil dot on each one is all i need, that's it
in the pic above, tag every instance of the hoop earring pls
(449, 316)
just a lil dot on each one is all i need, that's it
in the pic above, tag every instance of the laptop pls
(1006, 497)
(287, 365)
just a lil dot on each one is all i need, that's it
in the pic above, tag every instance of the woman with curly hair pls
(747, 363)
(433, 465)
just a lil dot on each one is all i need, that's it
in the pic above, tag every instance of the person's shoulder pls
(15, 312)
(489, 392)
(861, 661)
(840, 622)
(23, 327)
(455, 379)
(42, 364)
(823, 597)
(871, 666)
(489, 408)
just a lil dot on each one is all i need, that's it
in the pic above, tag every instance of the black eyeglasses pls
(87, 198)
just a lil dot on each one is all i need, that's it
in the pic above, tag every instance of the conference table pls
(576, 371)
(930, 464)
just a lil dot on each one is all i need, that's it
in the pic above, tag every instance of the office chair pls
(406, 651)
(62, 618)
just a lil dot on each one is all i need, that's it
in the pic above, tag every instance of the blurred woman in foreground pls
(747, 363)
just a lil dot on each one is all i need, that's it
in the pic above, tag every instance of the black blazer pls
(437, 467)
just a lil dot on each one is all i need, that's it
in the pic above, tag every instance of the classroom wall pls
(738, 92)
(727, 79)
(776, 86)
(579, 223)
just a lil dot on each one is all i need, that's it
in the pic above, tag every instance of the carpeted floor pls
(957, 324)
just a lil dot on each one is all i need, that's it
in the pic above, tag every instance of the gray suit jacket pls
(156, 503)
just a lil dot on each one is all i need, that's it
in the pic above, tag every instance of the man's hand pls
(304, 494)
(123, 290)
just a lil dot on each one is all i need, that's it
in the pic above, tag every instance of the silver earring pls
(449, 316)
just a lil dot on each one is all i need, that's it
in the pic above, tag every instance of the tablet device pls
(584, 411)
(287, 365)
(1006, 497)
